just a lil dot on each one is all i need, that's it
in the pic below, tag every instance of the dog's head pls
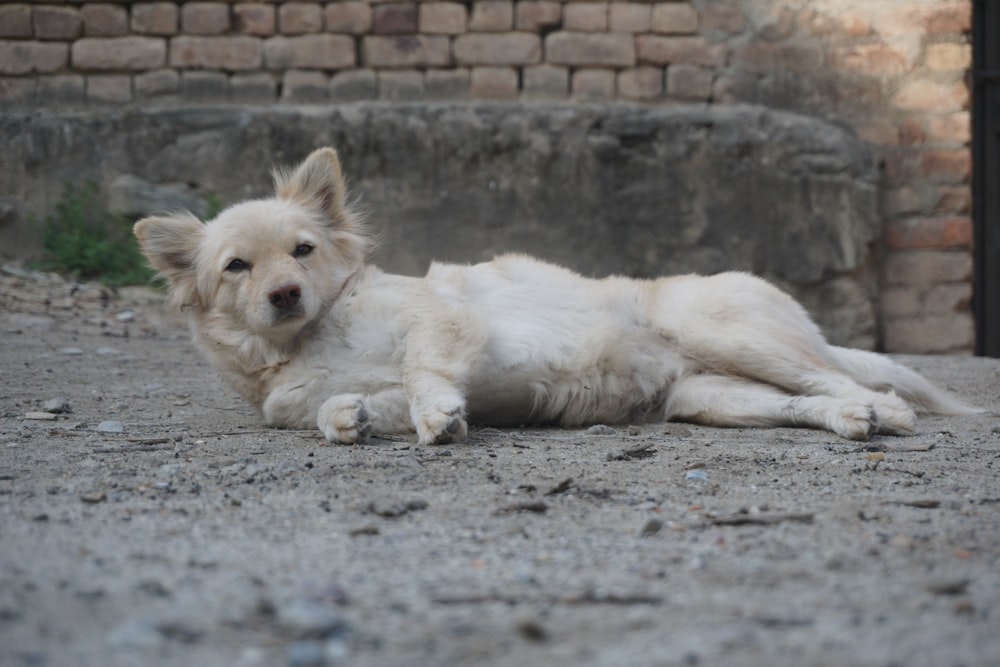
(268, 266)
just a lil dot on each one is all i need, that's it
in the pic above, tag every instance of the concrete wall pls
(893, 71)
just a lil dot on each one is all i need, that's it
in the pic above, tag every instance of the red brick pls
(205, 18)
(947, 166)
(52, 22)
(660, 50)
(511, 48)
(585, 16)
(928, 95)
(545, 81)
(29, 57)
(397, 18)
(911, 132)
(631, 17)
(534, 16)
(593, 84)
(492, 16)
(15, 21)
(443, 18)
(406, 51)
(689, 82)
(155, 18)
(590, 49)
(354, 18)
(297, 18)
(640, 83)
(309, 52)
(950, 19)
(869, 60)
(768, 57)
(237, 53)
(927, 267)
(254, 19)
(119, 53)
(948, 57)
(494, 83)
(954, 199)
(940, 233)
(720, 18)
(104, 20)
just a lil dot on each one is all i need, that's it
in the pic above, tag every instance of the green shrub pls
(85, 240)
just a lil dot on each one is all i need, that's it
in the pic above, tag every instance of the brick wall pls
(894, 70)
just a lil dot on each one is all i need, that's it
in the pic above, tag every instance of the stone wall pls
(891, 70)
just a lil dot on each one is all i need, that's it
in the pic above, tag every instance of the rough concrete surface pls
(159, 523)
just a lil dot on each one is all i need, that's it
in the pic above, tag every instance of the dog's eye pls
(302, 249)
(237, 265)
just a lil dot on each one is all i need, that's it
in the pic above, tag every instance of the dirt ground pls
(160, 523)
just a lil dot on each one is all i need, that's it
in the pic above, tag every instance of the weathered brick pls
(950, 18)
(104, 20)
(232, 53)
(297, 18)
(495, 83)
(492, 16)
(300, 86)
(911, 132)
(585, 16)
(878, 131)
(29, 57)
(631, 17)
(512, 48)
(660, 50)
(816, 23)
(641, 83)
(61, 89)
(953, 199)
(443, 18)
(776, 24)
(534, 16)
(950, 128)
(948, 57)
(204, 86)
(406, 51)
(252, 87)
(204, 18)
(940, 233)
(869, 59)
(689, 82)
(930, 95)
(927, 267)
(722, 18)
(899, 302)
(674, 19)
(397, 18)
(156, 83)
(354, 85)
(929, 334)
(545, 81)
(17, 91)
(593, 84)
(51, 22)
(15, 21)
(767, 57)
(947, 298)
(114, 88)
(354, 18)
(854, 24)
(590, 49)
(254, 19)
(119, 53)
(309, 52)
(155, 18)
(447, 83)
(945, 166)
(400, 85)
(904, 200)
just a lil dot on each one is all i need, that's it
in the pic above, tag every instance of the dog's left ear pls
(318, 183)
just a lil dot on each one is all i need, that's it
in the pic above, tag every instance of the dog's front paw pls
(894, 415)
(345, 419)
(440, 425)
(854, 420)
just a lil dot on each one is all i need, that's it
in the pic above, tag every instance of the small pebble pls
(111, 427)
(125, 316)
(73, 351)
(58, 406)
(697, 475)
(309, 619)
(40, 416)
(600, 429)
(652, 527)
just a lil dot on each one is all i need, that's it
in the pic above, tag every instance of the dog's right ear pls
(317, 183)
(170, 244)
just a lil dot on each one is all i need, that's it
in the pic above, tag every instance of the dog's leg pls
(350, 418)
(717, 400)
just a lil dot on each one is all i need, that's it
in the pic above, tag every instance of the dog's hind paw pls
(440, 425)
(344, 418)
(854, 421)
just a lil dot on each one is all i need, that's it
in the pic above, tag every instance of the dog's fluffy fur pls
(282, 303)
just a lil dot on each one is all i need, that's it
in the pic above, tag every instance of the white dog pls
(283, 305)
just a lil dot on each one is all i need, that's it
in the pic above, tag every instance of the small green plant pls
(85, 240)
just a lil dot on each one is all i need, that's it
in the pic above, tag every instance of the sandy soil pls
(160, 523)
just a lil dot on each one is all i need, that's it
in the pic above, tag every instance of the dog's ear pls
(170, 244)
(318, 183)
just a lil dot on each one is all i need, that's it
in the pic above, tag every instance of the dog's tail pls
(879, 372)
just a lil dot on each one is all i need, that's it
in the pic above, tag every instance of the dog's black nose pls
(286, 296)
